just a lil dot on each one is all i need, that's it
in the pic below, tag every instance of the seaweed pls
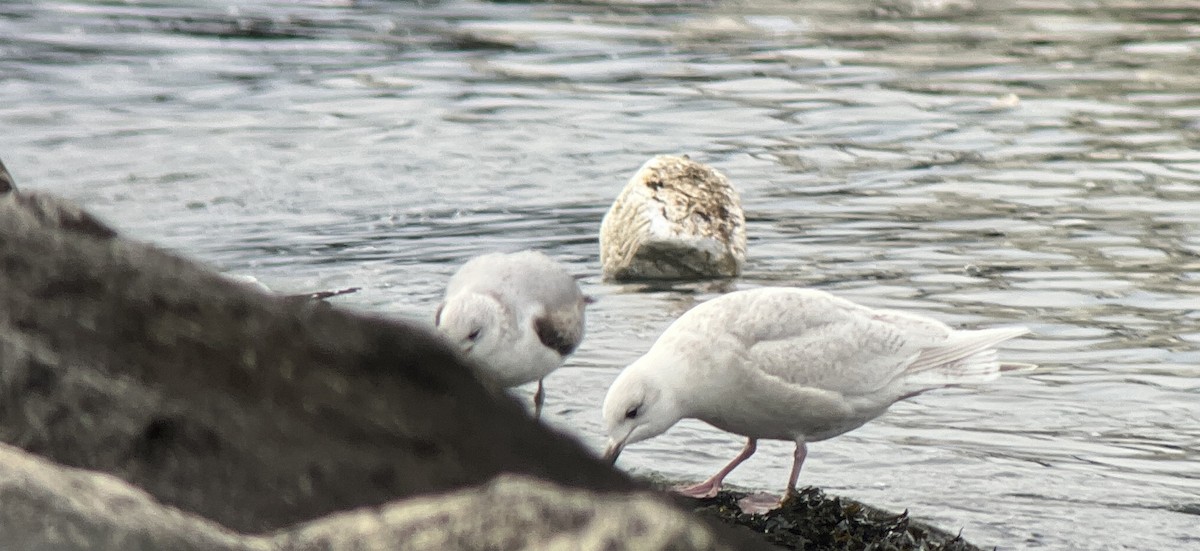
(810, 520)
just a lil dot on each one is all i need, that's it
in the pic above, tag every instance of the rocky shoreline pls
(146, 402)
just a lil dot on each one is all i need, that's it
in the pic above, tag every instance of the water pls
(1033, 163)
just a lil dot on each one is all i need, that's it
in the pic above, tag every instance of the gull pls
(516, 316)
(791, 364)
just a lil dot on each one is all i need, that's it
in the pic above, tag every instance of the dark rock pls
(6, 180)
(247, 409)
(813, 521)
(61, 216)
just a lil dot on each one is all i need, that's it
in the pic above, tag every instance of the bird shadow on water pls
(682, 288)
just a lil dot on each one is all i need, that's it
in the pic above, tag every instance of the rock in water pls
(921, 9)
(675, 219)
(251, 410)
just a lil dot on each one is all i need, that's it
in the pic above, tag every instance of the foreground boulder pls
(515, 513)
(675, 219)
(48, 506)
(235, 412)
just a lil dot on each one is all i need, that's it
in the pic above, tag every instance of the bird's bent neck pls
(662, 376)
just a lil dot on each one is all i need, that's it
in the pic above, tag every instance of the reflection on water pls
(1031, 162)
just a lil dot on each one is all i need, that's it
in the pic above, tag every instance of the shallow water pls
(1035, 163)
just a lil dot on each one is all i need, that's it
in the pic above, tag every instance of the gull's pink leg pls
(761, 503)
(538, 398)
(710, 487)
(797, 462)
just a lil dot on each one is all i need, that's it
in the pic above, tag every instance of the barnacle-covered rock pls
(675, 219)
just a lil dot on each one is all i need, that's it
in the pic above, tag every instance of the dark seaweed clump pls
(813, 521)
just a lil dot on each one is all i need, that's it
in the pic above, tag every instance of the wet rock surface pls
(675, 219)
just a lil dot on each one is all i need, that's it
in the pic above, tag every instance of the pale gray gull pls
(791, 364)
(515, 316)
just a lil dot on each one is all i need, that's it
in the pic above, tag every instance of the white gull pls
(789, 364)
(515, 316)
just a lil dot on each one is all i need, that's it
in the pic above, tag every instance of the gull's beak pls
(613, 450)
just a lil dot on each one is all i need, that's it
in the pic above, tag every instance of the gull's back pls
(526, 281)
(812, 339)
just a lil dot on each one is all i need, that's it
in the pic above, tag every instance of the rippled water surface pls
(1034, 163)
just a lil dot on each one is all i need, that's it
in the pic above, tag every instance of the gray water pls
(1035, 163)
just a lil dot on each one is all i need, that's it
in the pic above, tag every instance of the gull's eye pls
(633, 412)
(473, 335)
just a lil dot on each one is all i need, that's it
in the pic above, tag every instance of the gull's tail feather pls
(967, 357)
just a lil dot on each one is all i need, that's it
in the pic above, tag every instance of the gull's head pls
(473, 322)
(640, 404)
